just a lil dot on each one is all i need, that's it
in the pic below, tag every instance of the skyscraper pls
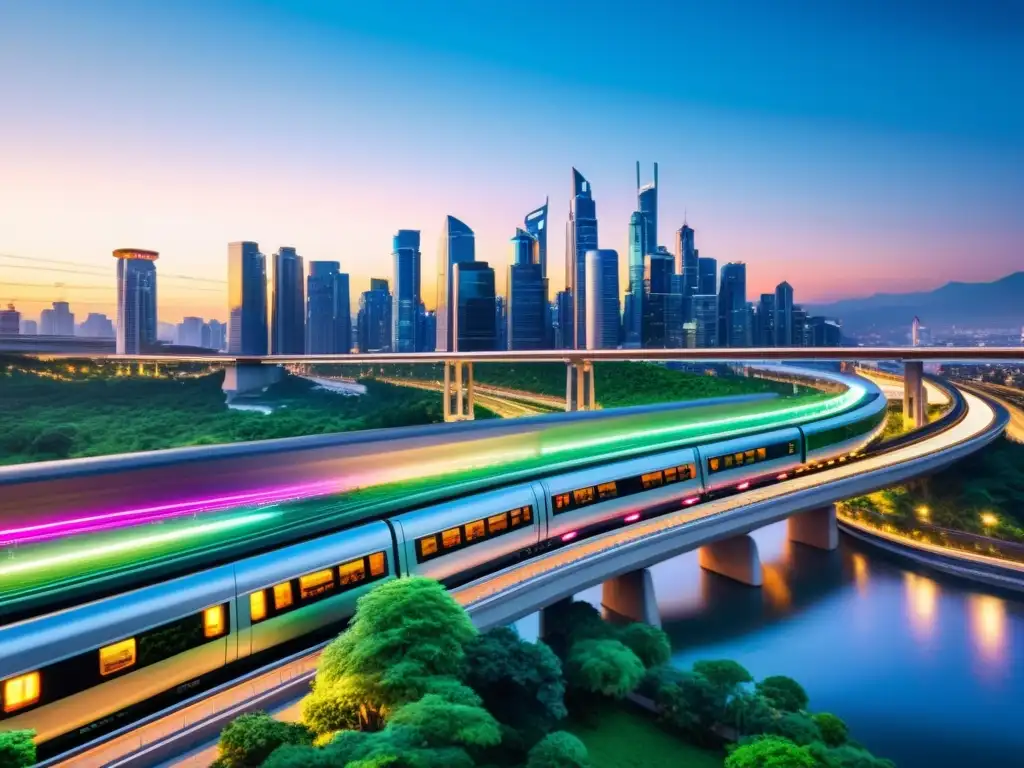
(537, 225)
(733, 314)
(247, 299)
(783, 326)
(602, 280)
(190, 332)
(500, 323)
(10, 321)
(457, 246)
(580, 237)
(563, 325)
(687, 263)
(658, 271)
(374, 319)
(474, 313)
(406, 301)
(218, 337)
(705, 316)
(287, 304)
(328, 311)
(527, 300)
(58, 321)
(634, 317)
(136, 300)
(707, 275)
(823, 332)
(98, 326)
(765, 336)
(647, 205)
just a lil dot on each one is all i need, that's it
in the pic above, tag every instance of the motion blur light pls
(633, 517)
(988, 519)
(691, 501)
(743, 486)
(783, 476)
(569, 536)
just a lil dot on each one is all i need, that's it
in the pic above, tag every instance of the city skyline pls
(896, 191)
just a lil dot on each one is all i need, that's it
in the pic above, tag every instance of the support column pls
(631, 596)
(469, 410)
(816, 528)
(245, 378)
(736, 558)
(580, 392)
(447, 391)
(458, 401)
(915, 400)
(549, 623)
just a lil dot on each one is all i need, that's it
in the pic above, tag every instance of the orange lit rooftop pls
(136, 253)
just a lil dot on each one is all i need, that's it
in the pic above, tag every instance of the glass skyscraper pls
(580, 237)
(457, 246)
(705, 316)
(287, 304)
(659, 268)
(536, 223)
(373, 323)
(783, 325)
(603, 320)
(638, 226)
(734, 316)
(473, 307)
(527, 300)
(765, 333)
(247, 299)
(328, 312)
(687, 263)
(707, 275)
(406, 300)
(136, 300)
(647, 205)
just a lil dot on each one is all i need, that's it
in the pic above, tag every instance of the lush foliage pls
(17, 750)
(558, 750)
(250, 739)
(833, 730)
(770, 752)
(650, 644)
(783, 693)
(603, 667)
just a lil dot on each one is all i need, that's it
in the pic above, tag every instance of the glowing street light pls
(923, 514)
(988, 519)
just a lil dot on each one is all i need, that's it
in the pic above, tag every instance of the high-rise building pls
(328, 310)
(634, 316)
(215, 335)
(765, 335)
(915, 331)
(287, 304)
(734, 317)
(563, 327)
(373, 323)
(247, 299)
(58, 321)
(705, 317)
(29, 328)
(603, 318)
(527, 301)
(647, 206)
(823, 332)
(98, 326)
(473, 305)
(687, 262)
(783, 315)
(707, 275)
(500, 323)
(10, 321)
(190, 332)
(537, 225)
(580, 237)
(405, 313)
(136, 300)
(427, 330)
(457, 246)
(799, 326)
(659, 267)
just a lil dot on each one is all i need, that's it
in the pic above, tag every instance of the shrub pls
(17, 750)
(558, 750)
(770, 752)
(784, 693)
(797, 727)
(833, 730)
(250, 739)
(604, 667)
(650, 644)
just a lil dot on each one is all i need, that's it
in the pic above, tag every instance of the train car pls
(836, 438)
(593, 500)
(733, 466)
(462, 540)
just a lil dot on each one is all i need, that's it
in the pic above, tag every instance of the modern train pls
(81, 672)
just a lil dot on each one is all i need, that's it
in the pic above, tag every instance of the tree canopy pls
(784, 693)
(17, 750)
(770, 752)
(250, 739)
(558, 750)
(604, 667)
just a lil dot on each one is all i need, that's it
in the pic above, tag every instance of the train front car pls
(839, 438)
(590, 501)
(734, 466)
(462, 540)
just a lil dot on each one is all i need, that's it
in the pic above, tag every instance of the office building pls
(705, 317)
(687, 262)
(764, 335)
(215, 335)
(647, 206)
(527, 297)
(10, 321)
(603, 320)
(799, 327)
(405, 253)
(57, 321)
(457, 246)
(500, 323)
(190, 332)
(563, 326)
(536, 223)
(136, 300)
(823, 332)
(97, 326)
(373, 322)
(633, 318)
(328, 309)
(783, 315)
(659, 268)
(580, 237)
(247, 299)
(426, 329)
(734, 318)
(707, 275)
(915, 331)
(287, 303)
(29, 328)
(473, 304)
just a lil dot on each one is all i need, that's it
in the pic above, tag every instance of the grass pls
(625, 737)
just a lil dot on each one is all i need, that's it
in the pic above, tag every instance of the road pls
(505, 403)
(1011, 399)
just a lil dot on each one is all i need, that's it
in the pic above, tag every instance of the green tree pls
(725, 674)
(846, 756)
(572, 621)
(250, 739)
(784, 693)
(770, 752)
(558, 750)
(833, 730)
(520, 683)
(749, 713)
(690, 704)
(650, 644)
(797, 727)
(442, 723)
(17, 750)
(604, 667)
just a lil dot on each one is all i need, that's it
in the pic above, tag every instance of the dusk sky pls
(847, 147)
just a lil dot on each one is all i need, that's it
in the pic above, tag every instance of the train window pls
(258, 606)
(282, 595)
(652, 479)
(713, 464)
(687, 471)
(607, 491)
(352, 573)
(526, 514)
(671, 475)
(451, 538)
(21, 691)
(727, 461)
(738, 458)
(748, 457)
(520, 516)
(427, 546)
(114, 658)
(762, 454)
(378, 564)
(475, 530)
(213, 622)
(315, 584)
(561, 501)
(583, 496)
(497, 523)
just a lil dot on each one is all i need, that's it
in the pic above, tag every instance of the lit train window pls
(762, 453)
(378, 564)
(282, 595)
(352, 573)
(258, 606)
(114, 658)
(792, 448)
(213, 622)
(714, 464)
(451, 538)
(652, 480)
(671, 475)
(738, 458)
(727, 462)
(315, 584)
(497, 523)
(687, 471)
(21, 691)
(607, 491)
(526, 514)
(583, 496)
(475, 530)
(561, 501)
(520, 516)
(748, 457)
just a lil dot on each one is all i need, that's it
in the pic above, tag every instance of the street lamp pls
(923, 513)
(988, 519)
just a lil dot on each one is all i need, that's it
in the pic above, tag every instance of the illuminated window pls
(378, 564)
(689, 471)
(727, 461)
(517, 516)
(258, 606)
(526, 514)
(21, 691)
(451, 538)
(427, 545)
(583, 495)
(652, 479)
(213, 621)
(353, 572)
(282, 595)
(607, 491)
(762, 454)
(475, 530)
(114, 658)
(315, 584)
(713, 464)
(670, 475)
(497, 523)
(738, 458)
(748, 456)
(561, 501)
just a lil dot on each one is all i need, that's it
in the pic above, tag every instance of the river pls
(926, 670)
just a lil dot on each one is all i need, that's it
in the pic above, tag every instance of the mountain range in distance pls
(998, 304)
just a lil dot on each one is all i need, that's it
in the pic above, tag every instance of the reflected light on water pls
(988, 627)
(775, 587)
(922, 601)
(860, 572)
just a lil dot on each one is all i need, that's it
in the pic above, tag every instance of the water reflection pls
(860, 572)
(922, 595)
(988, 630)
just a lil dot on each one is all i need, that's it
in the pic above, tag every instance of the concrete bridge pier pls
(458, 391)
(579, 386)
(915, 399)
(735, 558)
(248, 378)
(816, 528)
(631, 596)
